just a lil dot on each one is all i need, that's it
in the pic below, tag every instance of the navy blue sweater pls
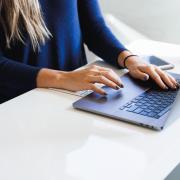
(72, 23)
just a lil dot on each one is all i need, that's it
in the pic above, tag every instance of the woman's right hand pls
(83, 79)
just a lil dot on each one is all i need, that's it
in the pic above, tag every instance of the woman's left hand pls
(140, 70)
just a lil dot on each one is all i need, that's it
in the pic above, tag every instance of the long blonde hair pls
(17, 16)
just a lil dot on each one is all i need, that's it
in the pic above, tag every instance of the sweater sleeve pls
(15, 78)
(96, 34)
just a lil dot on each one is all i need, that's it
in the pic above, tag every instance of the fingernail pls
(119, 84)
(174, 87)
(165, 87)
(117, 87)
(177, 85)
(122, 86)
(146, 78)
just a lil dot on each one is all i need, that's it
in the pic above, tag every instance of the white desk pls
(43, 137)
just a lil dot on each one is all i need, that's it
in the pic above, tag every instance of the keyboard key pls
(138, 110)
(152, 108)
(139, 104)
(131, 109)
(144, 113)
(157, 116)
(164, 105)
(157, 111)
(144, 107)
(152, 114)
(148, 110)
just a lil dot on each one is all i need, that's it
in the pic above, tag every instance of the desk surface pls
(43, 137)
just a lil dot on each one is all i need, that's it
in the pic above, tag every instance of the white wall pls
(157, 19)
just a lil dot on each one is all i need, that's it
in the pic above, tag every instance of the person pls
(41, 44)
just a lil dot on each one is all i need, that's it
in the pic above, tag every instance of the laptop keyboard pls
(152, 103)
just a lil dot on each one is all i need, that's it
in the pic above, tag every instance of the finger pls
(139, 75)
(103, 80)
(164, 76)
(174, 81)
(108, 73)
(96, 89)
(112, 76)
(155, 76)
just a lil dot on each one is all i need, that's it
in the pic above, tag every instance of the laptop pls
(140, 103)
(175, 174)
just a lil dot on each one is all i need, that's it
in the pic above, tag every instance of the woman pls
(42, 41)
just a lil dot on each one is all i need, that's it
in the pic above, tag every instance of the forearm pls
(96, 34)
(48, 78)
(17, 75)
(16, 78)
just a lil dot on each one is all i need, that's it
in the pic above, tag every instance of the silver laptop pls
(141, 103)
(175, 174)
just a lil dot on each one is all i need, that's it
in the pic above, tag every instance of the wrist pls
(126, 59)
(48, 78)
(122, 56)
